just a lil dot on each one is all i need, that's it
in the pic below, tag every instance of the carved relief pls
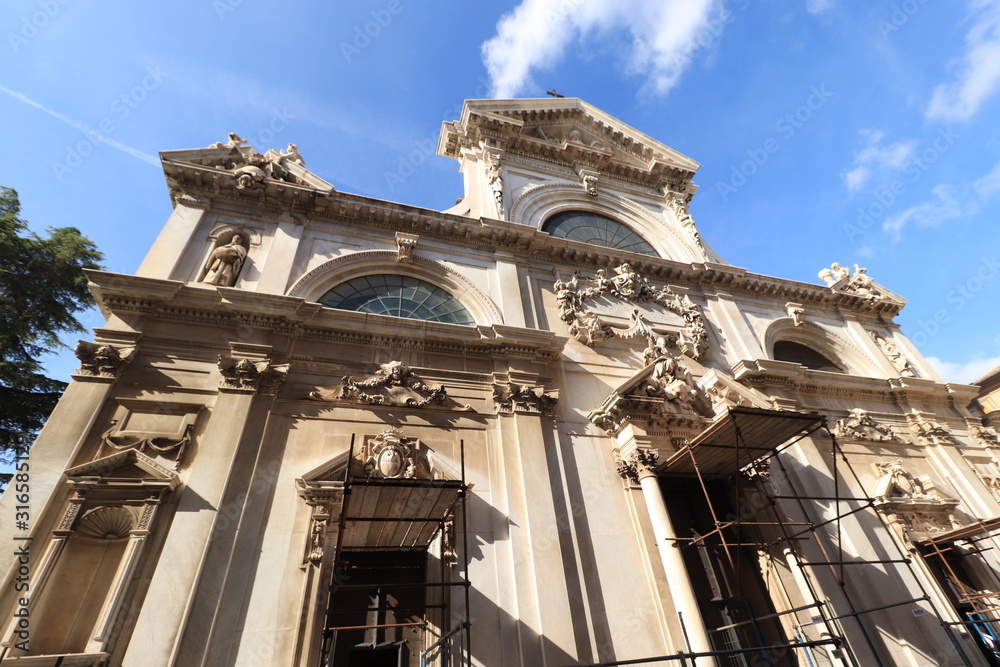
(796, 312)
(390, 455)
(449, 554)
(251, 169)
(260, 377)
(835, 274)
(839, 278)
(105, 361)
(638, 464)
(914, 506)
(107, 522)
(510, 397)
(224, 264)
(317, 537)
(394, 384)
(984, 435)
(405, 245)
(931, 432)
(859, 425)
(678, 206)
(495, 179)
(574, 295)
(160, 444)
(894, 354)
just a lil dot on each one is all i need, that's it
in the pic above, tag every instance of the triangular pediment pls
(122, 466)
(567, 130)
(236, 166)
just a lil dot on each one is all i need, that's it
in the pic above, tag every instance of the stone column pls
(638, 465)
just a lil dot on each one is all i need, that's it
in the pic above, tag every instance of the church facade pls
(548, 426)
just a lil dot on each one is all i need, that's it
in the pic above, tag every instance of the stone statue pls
(225, 262)
(834, 274)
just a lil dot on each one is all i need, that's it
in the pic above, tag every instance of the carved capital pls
(638, 465)
(509, 398)
(102, 361)
(260, 377)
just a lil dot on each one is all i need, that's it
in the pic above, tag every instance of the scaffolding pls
(734, 453)
(381, 573)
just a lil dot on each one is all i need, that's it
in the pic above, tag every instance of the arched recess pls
(537, 203)
(850, 358)
(328, 275)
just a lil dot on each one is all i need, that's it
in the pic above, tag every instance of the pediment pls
(236, 166)
(123, 467)
(567, 130)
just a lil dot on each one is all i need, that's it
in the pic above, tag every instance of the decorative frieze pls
(510, 397)
(984, 435)
(260, 377)
(394, 384)
(102, 361)
(859, 425)
(930, 432)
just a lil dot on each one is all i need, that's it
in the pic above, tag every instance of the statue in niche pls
(225, 262)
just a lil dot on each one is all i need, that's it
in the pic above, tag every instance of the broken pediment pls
(663, 393)
(570, 131)
(395, 385)
(839, 279)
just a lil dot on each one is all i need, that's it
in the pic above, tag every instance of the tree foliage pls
(42, 288)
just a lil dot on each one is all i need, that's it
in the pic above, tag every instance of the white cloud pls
(979, 74)
(817, 6)
(874, 155)
(664, 35)
(963, 373)
(949, 202)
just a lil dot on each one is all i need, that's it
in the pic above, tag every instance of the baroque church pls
(549, 426)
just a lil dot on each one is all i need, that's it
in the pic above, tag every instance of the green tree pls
(42, 288)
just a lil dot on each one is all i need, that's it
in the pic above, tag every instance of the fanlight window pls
(596, 229)
(786, 350)
(399, 296)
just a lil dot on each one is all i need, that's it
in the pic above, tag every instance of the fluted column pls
(639, 466)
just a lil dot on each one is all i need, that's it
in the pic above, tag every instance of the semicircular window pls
(398, 296)
(596, 229)
(786, 350)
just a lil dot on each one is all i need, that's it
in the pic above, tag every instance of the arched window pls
(398, 296)
(787, 350)
(596, 229)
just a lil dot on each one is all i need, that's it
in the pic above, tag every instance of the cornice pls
(765, 374)
(533, 245)
(230, 307)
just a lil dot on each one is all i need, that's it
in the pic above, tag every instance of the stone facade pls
(235, 465)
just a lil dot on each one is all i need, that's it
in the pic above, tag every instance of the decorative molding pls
(678, 205)
(406, 244)
(510, 397)
(894, 354)
(102, 361)
(858, 425)
(394, 384)
(259, 377)
(796, 312)
(984, 435)
(915, 507)
(108, 522)
(626, 285)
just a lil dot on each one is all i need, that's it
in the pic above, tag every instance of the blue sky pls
(828, 130)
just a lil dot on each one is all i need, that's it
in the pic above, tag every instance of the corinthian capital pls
(638, 465)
